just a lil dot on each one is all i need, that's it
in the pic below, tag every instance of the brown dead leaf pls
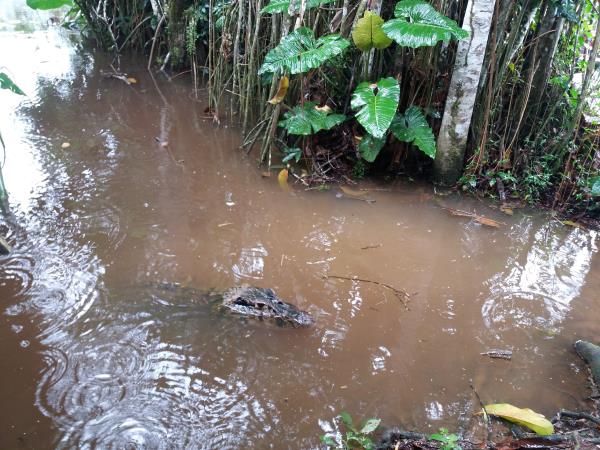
(507, 210)
(131, 80)
(353, 193)
(284, 84)
(487, 221)
(266, 174)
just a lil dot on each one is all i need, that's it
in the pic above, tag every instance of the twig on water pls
(401, 294)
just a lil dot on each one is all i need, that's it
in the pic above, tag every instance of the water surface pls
(150, 190)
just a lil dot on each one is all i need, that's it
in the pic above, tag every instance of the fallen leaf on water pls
(65, 145)
(507, 210)
(131, 80)
(221, 225)
(284, 83)
(353, 193)
(487, 221)
(570, 223)
(522, 416)
(266, 174)
(282, 179)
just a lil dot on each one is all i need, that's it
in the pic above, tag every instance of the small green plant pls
(449, 440)
(354, 438)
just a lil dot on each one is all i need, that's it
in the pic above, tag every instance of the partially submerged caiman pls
(246, 300)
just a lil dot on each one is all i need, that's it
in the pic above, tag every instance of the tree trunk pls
(456, 122)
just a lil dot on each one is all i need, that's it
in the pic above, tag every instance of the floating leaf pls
(367, 33)
(7, 83)
(413, 127)
(282, 179)
(526, 417)
(370, 146)
(376, 104)
(65, 145)
(299, 52)
(306, 119)
(282, 6)
(284, 83)
(48, 4)
(353, 193)
(131, 80)
(418, 24)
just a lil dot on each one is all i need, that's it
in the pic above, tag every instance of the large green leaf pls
(367, 33)
(48, 4)
(299, 52)
(307, 119)
(413, 127)
(7, 83)
(281, 6)
(418, 24)
(369, 147)
(376, 104)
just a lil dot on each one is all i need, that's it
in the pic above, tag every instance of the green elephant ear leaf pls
(308, 119)
(367, 33)
(418, 24)
(281, 6)
(369, 147)
(48, 4)
(7, 83)
(376, 104)
(300, 52)
(413, 127)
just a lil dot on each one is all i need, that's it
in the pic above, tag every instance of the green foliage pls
(359, 170)
(413, 127)
(376, 104)
(308, 119)
(282, 6)
(418, 24)
(48, 4)
(7, 83)
(299, 52)
(369, 147)
(292, 153)
(595, 186)
(354, 437)
(367, 33)
(449, 440)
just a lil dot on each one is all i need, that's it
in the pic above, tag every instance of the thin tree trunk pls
(456, 122)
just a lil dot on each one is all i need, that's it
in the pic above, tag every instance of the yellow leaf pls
(507, 210)
(284, 83)
(282, 179)
(367, 33)
(131, 80)
(352, 193)
(522, 416)
(570, 223)
(326, 109)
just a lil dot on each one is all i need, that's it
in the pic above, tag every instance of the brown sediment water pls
(150, 190)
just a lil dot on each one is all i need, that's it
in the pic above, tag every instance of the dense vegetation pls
(341, 87)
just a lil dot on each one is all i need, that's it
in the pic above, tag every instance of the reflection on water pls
(150, 192)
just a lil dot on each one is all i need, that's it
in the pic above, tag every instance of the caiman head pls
(264, 303)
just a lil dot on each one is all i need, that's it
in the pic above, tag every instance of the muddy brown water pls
(91, 357)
